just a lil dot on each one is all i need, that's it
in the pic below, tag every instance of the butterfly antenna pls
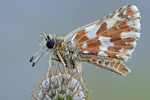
(37, 59)
(34, 56)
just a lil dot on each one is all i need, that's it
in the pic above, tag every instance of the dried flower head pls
(59, 85)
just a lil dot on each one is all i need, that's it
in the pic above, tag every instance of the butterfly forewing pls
(109, 40)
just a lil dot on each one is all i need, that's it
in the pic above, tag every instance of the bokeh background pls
(21, 22)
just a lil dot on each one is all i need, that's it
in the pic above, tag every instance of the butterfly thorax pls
(68, 53)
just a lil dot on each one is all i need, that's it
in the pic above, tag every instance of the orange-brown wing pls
(111, 39)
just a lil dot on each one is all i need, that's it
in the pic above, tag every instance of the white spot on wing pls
(103, 48)
(125, 57)
(137, 14)
(129, 52)
(116, 15)
(125, 12)
(84, 45)
(85, 52)
(117, 27)
(110, 22)
(121, 50)
(134, 23)
(134, 8)
(133, 43)
(91, 31)
(130, 35)
(90, 27)
(101, 53)
(72, 40)
(105, 43)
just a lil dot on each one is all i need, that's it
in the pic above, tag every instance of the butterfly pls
(107, 42)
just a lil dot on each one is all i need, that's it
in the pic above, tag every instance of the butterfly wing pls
(109, 40)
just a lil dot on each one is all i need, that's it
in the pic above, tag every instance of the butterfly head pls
(47, 43)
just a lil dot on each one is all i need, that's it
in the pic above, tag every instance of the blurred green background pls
(21, 22)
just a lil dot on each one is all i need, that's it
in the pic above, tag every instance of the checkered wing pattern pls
(109, 41)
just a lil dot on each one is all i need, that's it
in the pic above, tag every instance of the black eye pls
(50, 43)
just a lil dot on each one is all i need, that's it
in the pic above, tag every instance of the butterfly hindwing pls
(109, 63)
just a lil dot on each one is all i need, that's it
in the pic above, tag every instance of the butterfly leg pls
(79, 72)
(61, 59)
(49, 64)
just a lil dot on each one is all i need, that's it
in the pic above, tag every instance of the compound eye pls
(50, 43)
